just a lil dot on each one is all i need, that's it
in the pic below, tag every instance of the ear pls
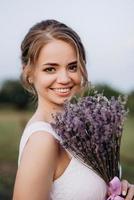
(28, 73)
(30, 80)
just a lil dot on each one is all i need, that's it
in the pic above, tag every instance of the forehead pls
(57, 50)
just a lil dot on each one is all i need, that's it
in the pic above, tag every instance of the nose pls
(63, 77)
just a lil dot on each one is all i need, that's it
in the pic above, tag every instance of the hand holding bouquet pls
(90, 128)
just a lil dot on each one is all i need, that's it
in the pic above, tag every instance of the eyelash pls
(49, 69)
(52, 69)
(74, 68)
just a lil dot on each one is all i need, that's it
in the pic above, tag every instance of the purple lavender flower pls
(90, 128)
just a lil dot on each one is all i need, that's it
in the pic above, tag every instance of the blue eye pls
(72, 68)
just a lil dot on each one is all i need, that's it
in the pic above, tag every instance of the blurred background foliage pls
(16, 107)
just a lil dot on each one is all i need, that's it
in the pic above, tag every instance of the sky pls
(106, 28)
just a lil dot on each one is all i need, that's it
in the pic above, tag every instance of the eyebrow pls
(56, 64)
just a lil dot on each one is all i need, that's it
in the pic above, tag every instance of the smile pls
(62, 90)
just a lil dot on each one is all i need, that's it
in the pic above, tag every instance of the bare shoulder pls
(45, 140)
(41, 147)
(37, 166)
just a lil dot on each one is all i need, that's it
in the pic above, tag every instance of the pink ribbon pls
(115, 189)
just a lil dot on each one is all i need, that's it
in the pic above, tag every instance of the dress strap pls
(32, 128)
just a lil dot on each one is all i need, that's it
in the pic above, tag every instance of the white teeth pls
(62, 90)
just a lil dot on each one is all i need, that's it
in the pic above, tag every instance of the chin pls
(61, 102)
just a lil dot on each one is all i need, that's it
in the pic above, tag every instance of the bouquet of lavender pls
(91, 128)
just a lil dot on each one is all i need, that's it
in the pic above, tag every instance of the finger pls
(130, 194)
(124, 187)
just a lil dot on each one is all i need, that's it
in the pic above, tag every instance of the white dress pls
(78, 182)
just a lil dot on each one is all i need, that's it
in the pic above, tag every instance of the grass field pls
(127, 150)
(11, 125)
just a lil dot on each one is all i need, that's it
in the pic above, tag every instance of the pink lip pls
(63, 94)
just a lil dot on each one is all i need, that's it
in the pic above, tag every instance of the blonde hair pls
(41, 34)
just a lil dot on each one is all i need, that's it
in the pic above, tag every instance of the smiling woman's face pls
(56, 76)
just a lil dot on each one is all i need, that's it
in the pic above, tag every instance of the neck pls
(45, 110)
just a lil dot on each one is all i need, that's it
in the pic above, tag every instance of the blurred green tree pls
(13, 93)
(130, 102)
(107, 90)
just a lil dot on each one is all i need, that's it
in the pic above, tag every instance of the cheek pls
(47, 81)
(77, 78)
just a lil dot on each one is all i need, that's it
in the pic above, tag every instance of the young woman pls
(53, 60)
